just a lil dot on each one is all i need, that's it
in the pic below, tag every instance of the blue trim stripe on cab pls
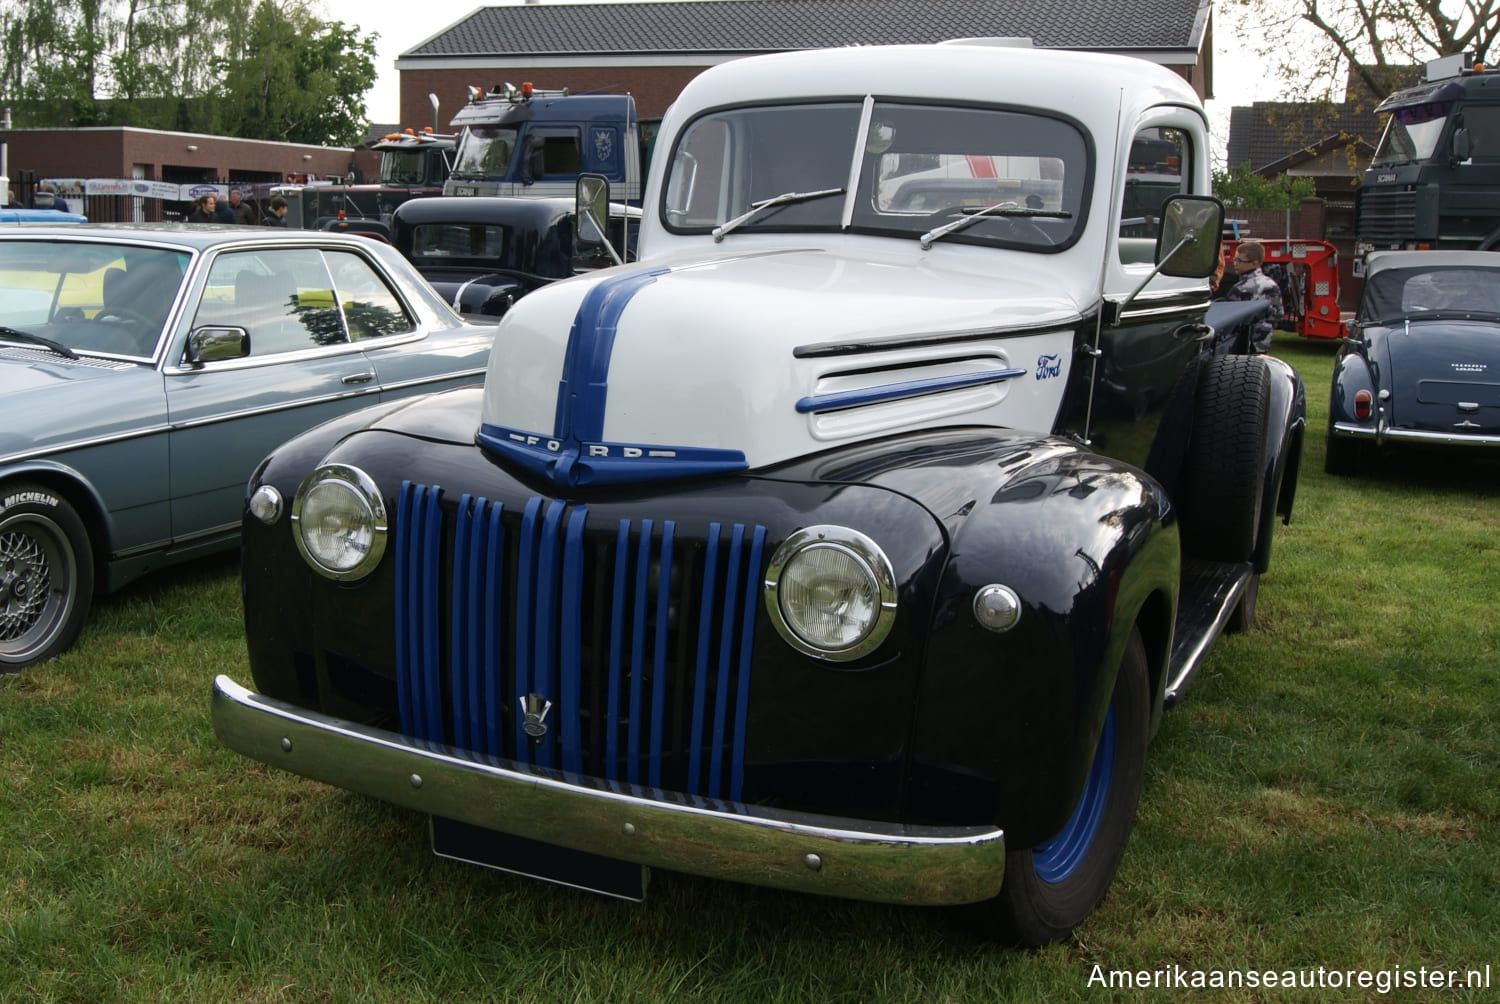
(660, 710)
(901, 391)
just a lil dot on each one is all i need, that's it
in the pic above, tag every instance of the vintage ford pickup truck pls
(852, 541)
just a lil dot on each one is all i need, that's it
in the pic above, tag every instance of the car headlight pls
(831, 593)
(339, 522)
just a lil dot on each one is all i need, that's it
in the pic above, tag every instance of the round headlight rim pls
(363, 488)
(863, 549)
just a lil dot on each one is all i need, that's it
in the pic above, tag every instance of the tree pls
(298, 79)
(1363, 40)
(258, 70)
(1240, 188)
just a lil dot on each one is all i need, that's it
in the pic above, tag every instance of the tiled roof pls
(1268, 132)
(748, 26)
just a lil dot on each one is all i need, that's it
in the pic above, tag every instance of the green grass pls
(1326, 795)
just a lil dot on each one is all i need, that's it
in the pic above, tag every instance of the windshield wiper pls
(756, 208)
(998, 209)
(47, 343)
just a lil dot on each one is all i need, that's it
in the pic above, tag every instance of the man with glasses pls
(1246, 281)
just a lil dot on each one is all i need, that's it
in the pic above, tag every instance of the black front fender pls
(1006, 723)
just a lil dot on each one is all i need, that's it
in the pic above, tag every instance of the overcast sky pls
(1235, 79)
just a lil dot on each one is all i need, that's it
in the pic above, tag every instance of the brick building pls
(651, 50)
(159, 156)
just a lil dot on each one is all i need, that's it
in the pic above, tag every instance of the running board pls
(1210, 590)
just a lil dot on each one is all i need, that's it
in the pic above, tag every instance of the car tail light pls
(1362, 401)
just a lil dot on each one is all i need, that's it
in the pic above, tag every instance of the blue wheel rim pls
(1057, 859)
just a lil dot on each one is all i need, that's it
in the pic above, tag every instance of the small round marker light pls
(997, 608)
(266, 504)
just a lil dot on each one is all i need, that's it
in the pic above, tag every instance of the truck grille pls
(628, 644)
(1387, 216)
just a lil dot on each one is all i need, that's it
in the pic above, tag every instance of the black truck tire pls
(1049, 889)
(1219, 498)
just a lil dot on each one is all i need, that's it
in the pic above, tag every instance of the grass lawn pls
(1327, 795)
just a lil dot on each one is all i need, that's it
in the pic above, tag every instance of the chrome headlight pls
(831, 593)
(339, 523)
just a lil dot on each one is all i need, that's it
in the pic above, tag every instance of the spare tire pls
(1219, 495)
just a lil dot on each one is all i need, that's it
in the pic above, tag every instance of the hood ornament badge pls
(535, 708)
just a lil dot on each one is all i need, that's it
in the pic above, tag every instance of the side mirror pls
(1463, 147)
(1188, 245)
(533, 161)
(590, 211)
(211, 344)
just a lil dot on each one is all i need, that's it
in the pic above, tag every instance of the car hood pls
(709, 364)
(1444, 377)
(47, 400)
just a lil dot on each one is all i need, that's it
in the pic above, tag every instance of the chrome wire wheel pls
(46, 577)
(37, 585)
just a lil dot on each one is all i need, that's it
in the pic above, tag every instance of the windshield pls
(881, 167)
(1411, 134)
(484, 152)
(91, 298)
(403, 167)
(1414, 293)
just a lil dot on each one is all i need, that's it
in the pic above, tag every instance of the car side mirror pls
(1188, 245)
(1463, 147)
(215, 343)
(590, 211)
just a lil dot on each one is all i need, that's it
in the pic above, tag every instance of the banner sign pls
(139, 188)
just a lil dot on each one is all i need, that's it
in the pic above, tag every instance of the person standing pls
(204, 209)
(277, 216)
(244, 212)
(1244, 280)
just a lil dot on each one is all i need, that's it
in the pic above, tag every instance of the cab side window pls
(1160, 166)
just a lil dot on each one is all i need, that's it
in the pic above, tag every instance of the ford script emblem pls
(1048, 366)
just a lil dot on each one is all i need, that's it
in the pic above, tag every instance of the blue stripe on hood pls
(576, 453)
(585, 374)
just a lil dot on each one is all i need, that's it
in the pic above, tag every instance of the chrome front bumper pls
(854, 859)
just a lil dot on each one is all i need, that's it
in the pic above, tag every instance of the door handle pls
(358, 378)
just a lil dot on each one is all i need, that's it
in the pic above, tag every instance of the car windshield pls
(1411, 134)
(107, 299)
(884, 167)
(484, 152)
(1418, 293)
(403, 167)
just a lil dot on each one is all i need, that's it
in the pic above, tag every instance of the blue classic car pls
(145, 371)
(1415, 369)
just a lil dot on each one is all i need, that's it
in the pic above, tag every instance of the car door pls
(408, 355)
(302, 369)
(1144, 346)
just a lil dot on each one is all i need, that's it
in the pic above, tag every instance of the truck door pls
(1144, 346)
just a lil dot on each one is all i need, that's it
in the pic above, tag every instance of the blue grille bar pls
(639, 638)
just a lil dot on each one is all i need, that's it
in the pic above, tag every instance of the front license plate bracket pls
(594, 873)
